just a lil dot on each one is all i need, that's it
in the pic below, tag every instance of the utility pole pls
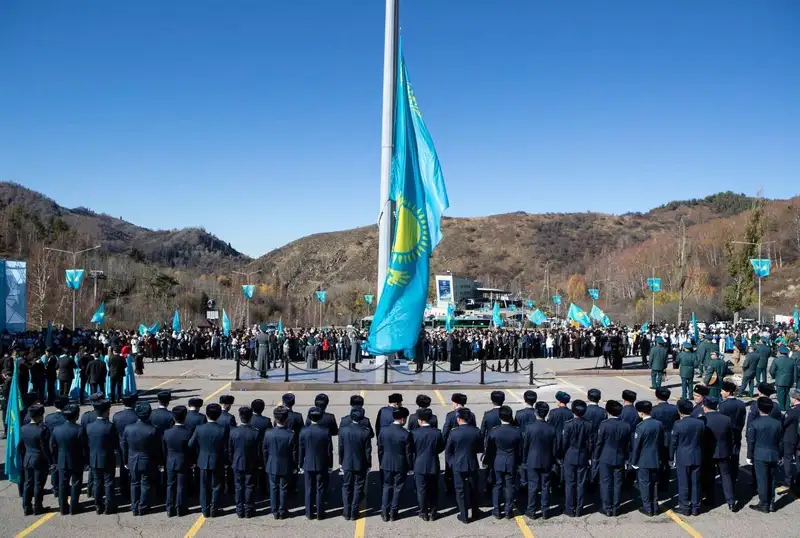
(760, 244)
(74, 255)
(95, 275)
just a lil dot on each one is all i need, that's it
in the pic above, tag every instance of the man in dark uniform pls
(86, 419)
(790, 439)
(194, 417)
(116, 373)
(714, 374)
(749, 367)
(629, 414)
(356, 401)
(718, 445)
(141, 453)
(646, 454)
(177, 461)
(463, 445)
(123, 419)
(396, 462)
(355, 461)
(524, 417)
(765, 390)
(577, 442)
(764, 451)
(764, 351)
(96, 372)
(686, 455)
(294, 422)
(280, 460)
(658, 363)
(490, 420)
(69, 448)
(383, 420)
(502, 456)
(51, 374)
(210, 442)
(686, 363)
(328, 419)
(243, 448)
(261, 424)
(667, 414)
(700, 392)
(539, 448)
(66, 372)
(34, 455)
(83, 362)
(451, 422)
(736, 410)
(161, 417)
(423, 402)
(783, 373)
(316, 459)
(595, 415)
(704, 349)
(427, 444)
(103, 440)
(228, 421)
(558, 417)
(611, 451)
(51, 421)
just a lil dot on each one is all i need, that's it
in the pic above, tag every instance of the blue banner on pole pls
(368, 299)
(654, 284)
(74, 278)
(322, 295)
(99, 316)
(556, 299)
(248, 290)
(578, 316)
(176, 322)
(496, 317)
(537, 317)
(529, 303)
(594, 294)
(226, 323)
(761, 267)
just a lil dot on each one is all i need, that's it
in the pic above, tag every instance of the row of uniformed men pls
(583, 441)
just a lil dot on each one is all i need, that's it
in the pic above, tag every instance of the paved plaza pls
(210, 378)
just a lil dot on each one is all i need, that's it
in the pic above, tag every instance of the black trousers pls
(33, 490)
(689, 487)
(177, 485)
(244, 482)
(503, 489)
(392, 488)
(427, 493)
(69, 486)
(64, 386)
(708, 474)
(116, 389)
(466, 485)
(648, 479)
(278, 492)
(211, 490)
(316, 487)
(353, 483)
(104, 489)
(141, 483)
(766, 472)
(611, 486)
(538, 483)
(98, 387)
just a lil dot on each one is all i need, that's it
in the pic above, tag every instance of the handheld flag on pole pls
(529, 303)
(153, 329)
(695, 330)
(537, 317)
(421, 197)
(226, 323)
(248, 290)
(176, 322)
(100, 314)
(497, 319)
(14, 406)
(578, 316)
(645, 327)
(142, 329)
(600, 316)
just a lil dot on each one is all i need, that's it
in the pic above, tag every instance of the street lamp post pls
(74, 254)
(759, 245)
(247, 301)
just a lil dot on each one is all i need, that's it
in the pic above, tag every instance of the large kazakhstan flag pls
(421, 197)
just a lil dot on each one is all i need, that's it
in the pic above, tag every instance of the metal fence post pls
(336, 369)
(483, 372)
(238, 365)
(386, 371)
(433, 372)
(286, 370)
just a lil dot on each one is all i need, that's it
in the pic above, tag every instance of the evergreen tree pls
(740, 293)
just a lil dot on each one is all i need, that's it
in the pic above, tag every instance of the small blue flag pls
(420, 195)
(248, 290)
(100, 314)
(594, 294)
(761, 267)
(645, 327)
(578, 316)
(529, 303)
(796, 319)
(556, 299)
(368, 299)
(600, 316)
(176, 322)
(153, 329)
(14, 406)
(280, 326)
(537, 317)
(74, 278)
(513, 308)
(449, 319)
(496, 317)
(322, 295)
(142, 329)
(695, 330)
(226, 323)
(654, 284)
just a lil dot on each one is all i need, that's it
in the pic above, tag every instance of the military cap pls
(578, 408)
(497, 397)
(644, 406)
(96, 397)
(356, 401)
(766, 389)
(563, 397)
(714, 354)
(357, 414)
(685, 407)
(315, 414)
(459, 399)
(765, 405)
(129, 400)
(245, 413)
(710, 403)
(423, 401)
(197, 403)
(783, 350)
(505, 413)
(425, 414)
(164, 396)
(226, 399)
(36, 411)
(628, 396)
(659, 340)
(31, 397)
(143, 410)
(281, 413)
(395, 398)
(702, 390)
(613, 408)
(729, 387)
(594, 395)
(687, 345)
(530, 397)
(399, 413)
(663, 393)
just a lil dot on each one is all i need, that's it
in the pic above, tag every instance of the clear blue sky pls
(260, 120)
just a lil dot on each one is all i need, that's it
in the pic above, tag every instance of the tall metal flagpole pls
(386, 218)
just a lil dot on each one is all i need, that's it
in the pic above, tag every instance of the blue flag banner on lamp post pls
(578, 316)
(368, 299)
(420, 196)
(100, 314)
(594, 294)
(74, 278)
(654, 284)
(761, 267)
(176, 322)
(13, 422)
(513, 308)
(537, 317)
(322, 295)
(556, 299)
(248, 290)
(529, 303)
(226, 323)
(497, 319)
(449, 319)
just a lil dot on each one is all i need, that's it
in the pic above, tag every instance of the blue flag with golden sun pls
(421, 197)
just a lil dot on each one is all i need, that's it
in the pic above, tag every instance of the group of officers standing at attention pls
(575, 446)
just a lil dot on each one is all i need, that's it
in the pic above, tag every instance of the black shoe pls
(40, 510)
(346, 517)
(683, 512)
(28, 511)
(434, 515)
(393, 517)
(759, 508)
(99, 511)
(424, 517)
(509, 516)
(241, 516)
(497, 515)
(384, 517)
(732, 507)
(532, 516)
(645, 512)
(461, 519)
(569, 514)
(545, 515)
(608, 513)
(320, 516)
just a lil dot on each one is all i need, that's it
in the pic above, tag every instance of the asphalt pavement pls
(209, 379)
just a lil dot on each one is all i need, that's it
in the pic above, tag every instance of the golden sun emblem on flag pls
(412, 240)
